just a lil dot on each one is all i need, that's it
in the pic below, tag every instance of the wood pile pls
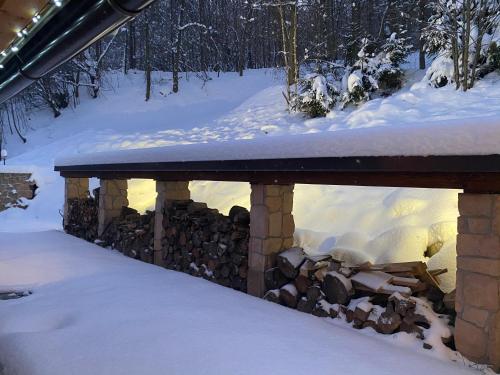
(202, 242)
(385, 297)
(132, 234)
(82, 217)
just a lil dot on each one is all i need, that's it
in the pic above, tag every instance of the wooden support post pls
(112, 197)
(477, 328)
(74, 188)
(167, 191)
(271, 230)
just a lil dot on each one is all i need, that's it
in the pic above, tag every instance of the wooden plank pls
(438, 272)
(405, 281)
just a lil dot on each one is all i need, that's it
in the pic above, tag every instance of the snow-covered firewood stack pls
(390, 298)
(82, 218)
(203, 242)
(132, 234)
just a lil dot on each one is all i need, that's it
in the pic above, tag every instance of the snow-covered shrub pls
(377, 70)
(394, 52)
(440, 72)
(358, 88)
(316, 95)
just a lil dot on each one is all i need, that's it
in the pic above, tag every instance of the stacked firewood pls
(384, 297)
(132, 234)
(82, 218)
(202, 242)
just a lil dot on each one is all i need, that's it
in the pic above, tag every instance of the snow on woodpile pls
(106, 314)
(390, 299)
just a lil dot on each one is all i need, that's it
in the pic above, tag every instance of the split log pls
(402, 305)
(302, 283)
(272, 296)
(388, 322)
(306, 306)
(337, 288)
(289, 295)
(274, 279)
(290, 261)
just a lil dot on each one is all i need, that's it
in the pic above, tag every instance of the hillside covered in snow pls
(355, 223)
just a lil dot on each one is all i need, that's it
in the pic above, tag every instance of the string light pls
(47, 11)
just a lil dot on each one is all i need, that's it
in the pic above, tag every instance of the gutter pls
(72, 29)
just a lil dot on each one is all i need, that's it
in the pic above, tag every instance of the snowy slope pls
(149, 321)
(377, 224)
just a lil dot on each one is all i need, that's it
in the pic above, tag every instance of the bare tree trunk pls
(331, 41)
(125, 50)
(421, 43)
(131, 45)
(203, 53)
(454, 46)
(481, 30)
(465, 45)
(177, 47)
(147, 62)
(294, 69)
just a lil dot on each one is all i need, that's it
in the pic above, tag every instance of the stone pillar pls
(477, 328)
(112, 197)
(271, 230)
(74, 188)
(167, 191)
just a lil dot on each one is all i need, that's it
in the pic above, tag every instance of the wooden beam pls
(479, 174)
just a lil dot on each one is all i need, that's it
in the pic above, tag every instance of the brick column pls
(167, 191)
(74, 188)
(112, 197)
(271, 230)
(477, 331)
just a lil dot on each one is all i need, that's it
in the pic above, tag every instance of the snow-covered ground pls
(94, 311)
(376, 224)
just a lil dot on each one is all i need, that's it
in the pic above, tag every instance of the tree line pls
(333, 38)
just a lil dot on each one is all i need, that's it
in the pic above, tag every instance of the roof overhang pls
(34, 47)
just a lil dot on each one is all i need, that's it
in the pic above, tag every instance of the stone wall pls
(13, 187)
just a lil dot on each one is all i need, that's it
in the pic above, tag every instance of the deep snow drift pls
(376, 224)
(94, 311)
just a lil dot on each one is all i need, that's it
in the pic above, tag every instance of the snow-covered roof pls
(469, 137)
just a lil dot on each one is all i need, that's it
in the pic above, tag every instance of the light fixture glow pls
(19, 34)
(14, 49)
(58, 3)
(35, 19)
(1, 66)
(4, 53)
(25, 32)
